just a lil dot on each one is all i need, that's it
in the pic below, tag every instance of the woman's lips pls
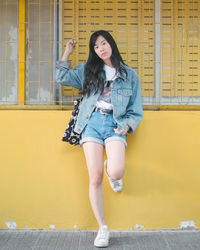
(103, 54)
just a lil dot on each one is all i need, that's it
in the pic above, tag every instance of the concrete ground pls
(83, 240)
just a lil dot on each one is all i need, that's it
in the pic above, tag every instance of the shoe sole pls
(101, 246)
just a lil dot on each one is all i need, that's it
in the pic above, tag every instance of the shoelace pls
(116, 183)
(102, 234)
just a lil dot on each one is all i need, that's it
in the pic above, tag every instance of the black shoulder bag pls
(70, 135)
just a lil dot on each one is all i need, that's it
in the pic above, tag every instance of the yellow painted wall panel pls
(45, 181)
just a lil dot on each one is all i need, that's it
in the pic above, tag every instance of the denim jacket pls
(125, 96)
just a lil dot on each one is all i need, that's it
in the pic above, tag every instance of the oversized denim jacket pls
(125, 96)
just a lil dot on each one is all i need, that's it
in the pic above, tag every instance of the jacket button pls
(92, 105)
(86, 117)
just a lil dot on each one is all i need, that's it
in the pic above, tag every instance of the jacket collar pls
(122, 75)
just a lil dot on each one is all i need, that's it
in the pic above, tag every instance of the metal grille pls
(42, 40)
(8, 52)
(130, 22)
(180, 52)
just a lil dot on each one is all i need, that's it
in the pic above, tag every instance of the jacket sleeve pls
(134, 113)
(69, 77)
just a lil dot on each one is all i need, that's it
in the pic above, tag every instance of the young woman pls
(110, 109)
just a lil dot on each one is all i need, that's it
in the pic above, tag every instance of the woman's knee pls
(116, 174)
(96, 179)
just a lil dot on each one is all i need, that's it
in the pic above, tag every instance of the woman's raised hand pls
(70, 46)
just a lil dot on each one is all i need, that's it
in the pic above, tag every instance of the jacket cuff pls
(132, 124)
(63, 64)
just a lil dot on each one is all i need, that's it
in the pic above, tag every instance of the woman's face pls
(102, 49)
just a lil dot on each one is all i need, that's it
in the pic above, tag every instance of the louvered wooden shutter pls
(131, 23)
(180, 49)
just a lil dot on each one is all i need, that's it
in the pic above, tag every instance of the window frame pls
(22, 69)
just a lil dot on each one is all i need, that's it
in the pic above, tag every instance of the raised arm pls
(66, 76)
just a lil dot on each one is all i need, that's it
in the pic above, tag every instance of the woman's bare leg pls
(94, 154)
(115, 151)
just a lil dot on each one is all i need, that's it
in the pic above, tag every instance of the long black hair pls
(94, 66)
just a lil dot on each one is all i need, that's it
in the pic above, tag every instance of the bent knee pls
(116, 174)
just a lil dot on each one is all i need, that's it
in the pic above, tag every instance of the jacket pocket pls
(125, 92)
(124, 96)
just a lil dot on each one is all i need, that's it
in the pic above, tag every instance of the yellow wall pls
(44, 181)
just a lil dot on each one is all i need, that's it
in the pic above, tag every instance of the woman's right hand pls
(70, 46)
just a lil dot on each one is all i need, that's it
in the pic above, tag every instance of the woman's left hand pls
(124, 132)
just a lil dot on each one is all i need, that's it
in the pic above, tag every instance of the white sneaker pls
(102, 239)
(116, 185)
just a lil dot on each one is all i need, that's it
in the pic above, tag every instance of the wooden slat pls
(180, 48)
(130, 22)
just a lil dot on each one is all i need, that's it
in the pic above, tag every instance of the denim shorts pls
(100, 129)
